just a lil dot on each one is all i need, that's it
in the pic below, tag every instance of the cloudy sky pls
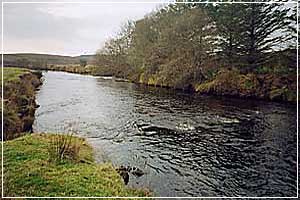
(67, 29)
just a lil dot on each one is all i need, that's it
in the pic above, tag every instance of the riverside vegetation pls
(48, 164)
(242, 50)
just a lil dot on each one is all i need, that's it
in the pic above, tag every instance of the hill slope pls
(24, 59)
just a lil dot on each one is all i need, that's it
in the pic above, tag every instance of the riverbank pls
(29, 171)
(71, 68)
(233, 83)
(19, 86)
(269, 86)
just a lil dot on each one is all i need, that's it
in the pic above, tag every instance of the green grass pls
(28, 172)
(12, 74)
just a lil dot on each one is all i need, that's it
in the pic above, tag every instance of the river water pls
(187, 145)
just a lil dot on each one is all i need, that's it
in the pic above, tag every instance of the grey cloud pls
(24, 21)
(68, 29)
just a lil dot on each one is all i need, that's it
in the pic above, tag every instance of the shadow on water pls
(187, 145)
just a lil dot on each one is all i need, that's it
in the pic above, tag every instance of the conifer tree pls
(260, 34)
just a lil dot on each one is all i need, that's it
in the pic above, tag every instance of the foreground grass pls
(28, 171)
(12, 74)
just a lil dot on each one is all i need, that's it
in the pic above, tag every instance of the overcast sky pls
(66, 29)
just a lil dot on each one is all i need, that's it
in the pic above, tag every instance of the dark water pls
(187, 145)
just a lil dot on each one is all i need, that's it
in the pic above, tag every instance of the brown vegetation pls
(19, 103)
(263, 86)
(195, 47)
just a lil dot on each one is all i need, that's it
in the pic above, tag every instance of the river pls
(186, 144)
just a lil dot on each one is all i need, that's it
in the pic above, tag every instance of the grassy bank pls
(88, 69)
(29, 171)
(19, 86)
(268, 86)
(13, 74)
(31, 165)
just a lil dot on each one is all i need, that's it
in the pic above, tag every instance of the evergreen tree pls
(261, 32)
(229, 22)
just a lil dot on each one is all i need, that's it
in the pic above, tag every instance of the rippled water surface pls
(187, 145)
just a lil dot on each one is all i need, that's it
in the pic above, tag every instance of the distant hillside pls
(88, 58)
(25, 59)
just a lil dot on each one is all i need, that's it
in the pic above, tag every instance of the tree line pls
(180, 44)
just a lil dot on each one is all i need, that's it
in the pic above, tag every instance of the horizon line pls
(51, 54)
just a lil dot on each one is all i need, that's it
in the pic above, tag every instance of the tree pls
(292, 28)
(247, 33)
(262, 32)
(228, 18)
(181, 44)
(173, 45)
(114, 54)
